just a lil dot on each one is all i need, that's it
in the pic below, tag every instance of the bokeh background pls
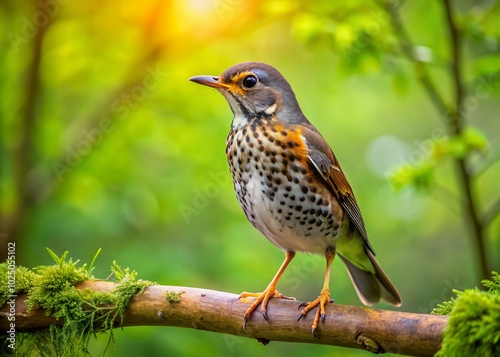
(106, 144)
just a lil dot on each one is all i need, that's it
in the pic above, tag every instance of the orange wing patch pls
(292, 139)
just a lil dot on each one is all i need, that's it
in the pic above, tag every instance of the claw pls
(262, 299)
(319, 314)
(323, 298)
(269, 292)
(245, 319)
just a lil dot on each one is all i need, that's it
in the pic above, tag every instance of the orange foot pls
(262, 299)
(321, 300)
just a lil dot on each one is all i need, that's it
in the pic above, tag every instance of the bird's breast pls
(277, 188)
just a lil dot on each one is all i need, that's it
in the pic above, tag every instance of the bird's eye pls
(249, 81)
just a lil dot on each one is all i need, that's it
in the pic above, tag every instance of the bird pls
(291, 188)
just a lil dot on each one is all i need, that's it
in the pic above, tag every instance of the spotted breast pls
(277, 189)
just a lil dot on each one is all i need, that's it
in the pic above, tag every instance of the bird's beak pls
(209, 81)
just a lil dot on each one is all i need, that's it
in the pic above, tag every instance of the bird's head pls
(255, 89)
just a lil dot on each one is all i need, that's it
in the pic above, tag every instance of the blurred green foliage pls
(106, 144)
(420, 174)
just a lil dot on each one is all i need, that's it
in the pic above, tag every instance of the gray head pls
(256, 89)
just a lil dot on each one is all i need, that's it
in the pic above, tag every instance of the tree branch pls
(456, 120)
(452, 117)
(407, 48)
(456, 124)
(374, 330)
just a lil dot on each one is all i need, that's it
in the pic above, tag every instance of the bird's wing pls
(324, 161)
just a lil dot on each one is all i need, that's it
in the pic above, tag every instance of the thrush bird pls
(291, 187)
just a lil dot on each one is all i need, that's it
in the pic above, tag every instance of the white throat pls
(239, 120)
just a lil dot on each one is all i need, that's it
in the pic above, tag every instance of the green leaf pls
(474, 139)
(471, 140)
(458, 147)
(441, 149)
(420, 176)
(487, 65)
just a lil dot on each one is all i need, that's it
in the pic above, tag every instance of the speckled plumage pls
(291, 187)
(277, 190)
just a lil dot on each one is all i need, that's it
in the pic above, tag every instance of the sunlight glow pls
(207, 18)
(198, 17)
(200, 7)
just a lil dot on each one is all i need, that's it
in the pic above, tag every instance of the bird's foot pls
(261, 299)
(321, 300)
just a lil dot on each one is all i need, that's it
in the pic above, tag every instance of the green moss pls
(23, 281)
(53, 289)
(81, 312)
(128, 286)
(474, 325)
(173, 297)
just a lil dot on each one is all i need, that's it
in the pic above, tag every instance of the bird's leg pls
(324, 296)
(263, 298)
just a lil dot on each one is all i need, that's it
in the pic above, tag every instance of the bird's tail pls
(372, 287)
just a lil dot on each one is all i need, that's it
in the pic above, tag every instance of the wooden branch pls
(373, 330)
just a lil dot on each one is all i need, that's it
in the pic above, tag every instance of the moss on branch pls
(474, 325)
(59, 307)
(78, 313)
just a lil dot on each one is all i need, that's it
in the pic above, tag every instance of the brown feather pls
(327, 165)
